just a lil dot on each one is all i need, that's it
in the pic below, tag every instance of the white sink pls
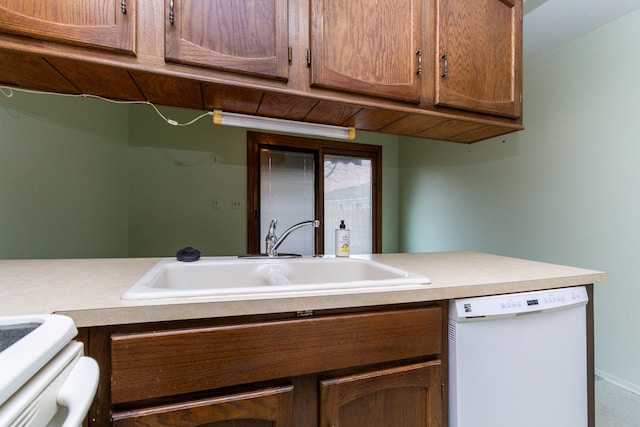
(27, 343)
(225, 276)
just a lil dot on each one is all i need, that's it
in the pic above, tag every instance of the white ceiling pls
(549, 24)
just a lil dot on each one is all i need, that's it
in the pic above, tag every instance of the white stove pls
(44, 378)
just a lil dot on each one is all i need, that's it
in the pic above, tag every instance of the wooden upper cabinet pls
(106, 24)
(249, 37)
(367, 47)
(479, 56)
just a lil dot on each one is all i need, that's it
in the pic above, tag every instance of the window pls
(296, 179)
(287, 193)
(348, 189)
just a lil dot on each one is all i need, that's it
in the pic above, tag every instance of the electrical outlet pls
(216, 203)
(236, 204)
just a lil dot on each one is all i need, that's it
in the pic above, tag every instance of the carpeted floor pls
(616, 406)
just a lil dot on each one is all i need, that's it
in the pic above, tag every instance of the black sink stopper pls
(188, 254)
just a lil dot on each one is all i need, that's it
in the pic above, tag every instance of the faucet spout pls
(273, 242)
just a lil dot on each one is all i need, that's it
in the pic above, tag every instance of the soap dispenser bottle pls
(342, 240)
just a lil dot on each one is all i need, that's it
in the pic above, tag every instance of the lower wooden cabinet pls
(272, 407)
(405, 396)
(360, 368)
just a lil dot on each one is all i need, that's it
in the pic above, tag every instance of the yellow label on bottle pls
(342, 243)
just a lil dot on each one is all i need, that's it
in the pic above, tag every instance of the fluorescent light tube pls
(279, 125)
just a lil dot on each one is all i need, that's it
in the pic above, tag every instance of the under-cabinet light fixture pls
(280, 125)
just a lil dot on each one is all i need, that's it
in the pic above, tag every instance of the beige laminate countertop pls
(89, 290)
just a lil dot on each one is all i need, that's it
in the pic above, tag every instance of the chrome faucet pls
(273, 242)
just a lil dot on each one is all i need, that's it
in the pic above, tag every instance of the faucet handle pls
(272, 226)
(316, 223)
(271, 239)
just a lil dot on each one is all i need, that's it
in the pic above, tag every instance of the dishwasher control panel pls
(514, 304)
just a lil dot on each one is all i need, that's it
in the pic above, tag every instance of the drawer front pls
(155, 364)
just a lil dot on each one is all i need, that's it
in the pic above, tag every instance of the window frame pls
(258, 140)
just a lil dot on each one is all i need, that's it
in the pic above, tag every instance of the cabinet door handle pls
(123, 7)
(445, 59)
(171, 12)
(419, 55)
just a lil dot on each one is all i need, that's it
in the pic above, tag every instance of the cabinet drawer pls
(155, 364)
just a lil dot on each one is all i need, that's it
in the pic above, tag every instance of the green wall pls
(63, 177)
(563, 191)
(176, 172)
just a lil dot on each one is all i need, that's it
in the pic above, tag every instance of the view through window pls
(287, 193)
(295, 179)
(347, 196)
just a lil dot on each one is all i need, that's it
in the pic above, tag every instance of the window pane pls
(287, 187)
(347, 196)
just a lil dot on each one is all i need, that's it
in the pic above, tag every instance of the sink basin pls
(265, 277)
(27, 343)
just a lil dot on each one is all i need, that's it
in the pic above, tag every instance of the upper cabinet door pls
(480, 56)
(367, 47)
(246, 36)
(106, 24)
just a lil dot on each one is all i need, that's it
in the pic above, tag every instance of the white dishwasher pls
(519, 360)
